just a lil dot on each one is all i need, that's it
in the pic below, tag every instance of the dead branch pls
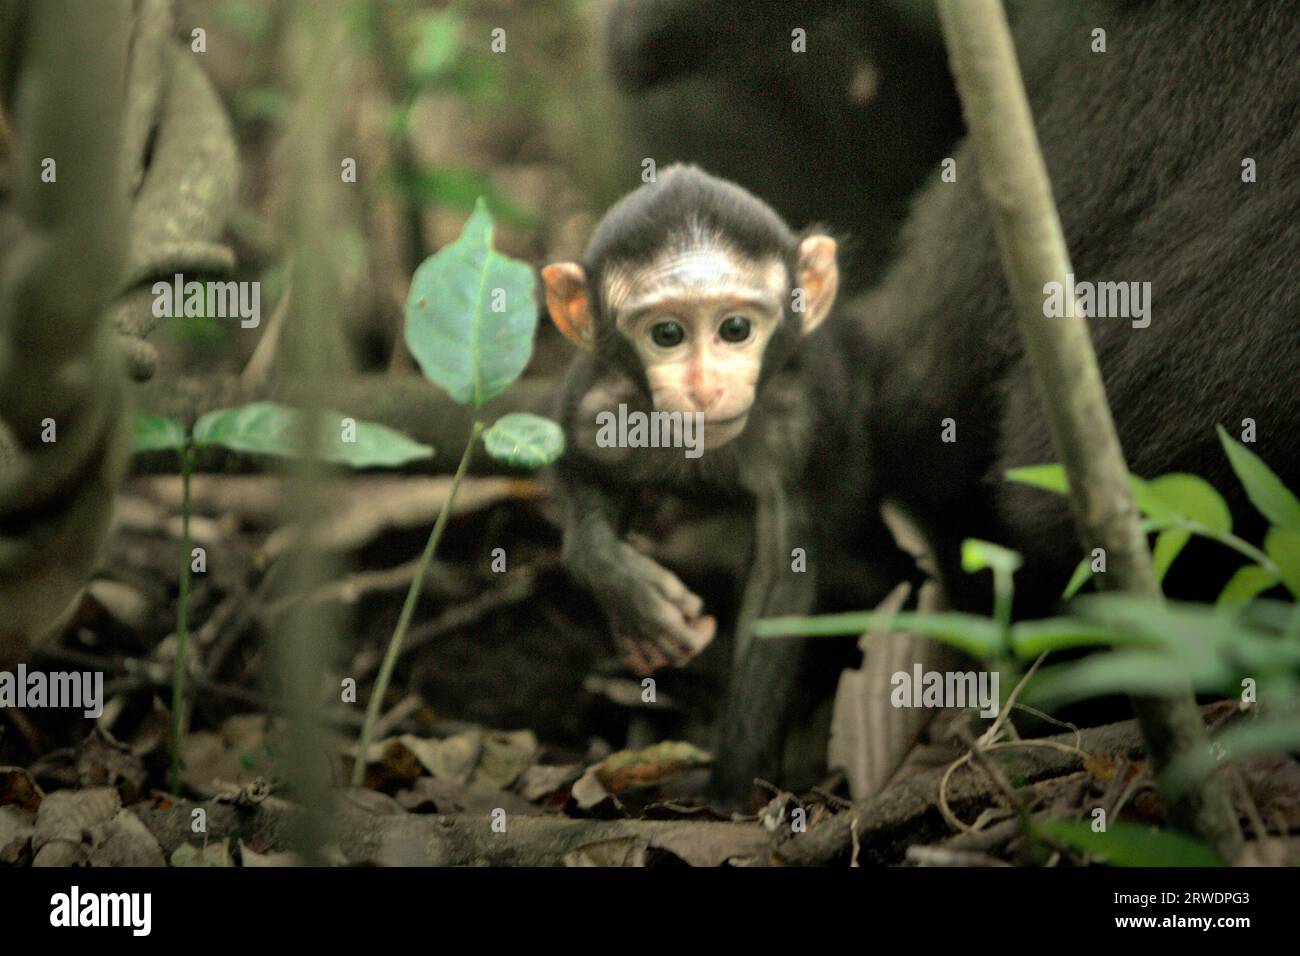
(902, 814)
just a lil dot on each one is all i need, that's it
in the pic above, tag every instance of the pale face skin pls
(700, 321)
(699, 317)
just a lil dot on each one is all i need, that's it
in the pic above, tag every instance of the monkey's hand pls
(657, 619)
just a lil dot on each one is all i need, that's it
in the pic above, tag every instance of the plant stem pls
(1240, 546)
(1003, 597)
(408, 611)
(1060, 354)
(182, 620)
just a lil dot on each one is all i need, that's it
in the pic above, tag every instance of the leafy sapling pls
(1178, 506)
(470, 320)
(262, 428)
(1245, 645)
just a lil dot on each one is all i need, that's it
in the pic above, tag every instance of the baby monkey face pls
(699, 316)
(700, 319)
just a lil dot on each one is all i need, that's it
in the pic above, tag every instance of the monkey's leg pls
(765, 672)
(656, 618)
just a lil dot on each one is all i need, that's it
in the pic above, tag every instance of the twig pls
(1060, 353)
(405, 708)
(942, 856)
(258, 370)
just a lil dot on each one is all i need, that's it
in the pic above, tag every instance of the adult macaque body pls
(695, 299)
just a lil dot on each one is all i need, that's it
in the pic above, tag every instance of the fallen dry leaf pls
(636, 769)
(19, 789)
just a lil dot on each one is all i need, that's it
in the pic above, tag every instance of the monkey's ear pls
(567, 301)
(819, 277)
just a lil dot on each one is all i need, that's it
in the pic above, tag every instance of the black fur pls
(715, 82)
(1144, 146)
(806, 435)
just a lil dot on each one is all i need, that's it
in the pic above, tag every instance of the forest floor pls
(510, 736)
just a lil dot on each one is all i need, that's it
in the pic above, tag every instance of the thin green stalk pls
(408, 611)
(182, 620)
(1003, 596)
(1240, 546)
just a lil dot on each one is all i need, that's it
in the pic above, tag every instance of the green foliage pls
(1046, 477)
(1164, 645)
(971, 633)
(1282, 545)
(1029, 639)
(470, 315)
(470, 319)
(1265, 490)
(156, 433)
(265, 428)
(1180, 506)
(1131, 844)
(1245, 585)
(1146, 647)
(420, 50)
(262, 428)
(977, 555)
(524, 440)
(437, 44)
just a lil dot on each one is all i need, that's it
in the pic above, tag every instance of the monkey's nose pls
(706, 396)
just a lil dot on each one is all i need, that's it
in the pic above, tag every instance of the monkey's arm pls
(656, 618)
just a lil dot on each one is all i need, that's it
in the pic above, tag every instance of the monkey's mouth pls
(718, 422)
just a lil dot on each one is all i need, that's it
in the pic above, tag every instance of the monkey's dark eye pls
(734, 328)
(667, 334)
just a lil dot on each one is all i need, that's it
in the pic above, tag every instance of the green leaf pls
(1169, 644)
(156, 433)
(1151, 506)
(1249, 582)
(976, 555)
(524, 440)
(1283, 546)
(1054, 478)
(977, 636)
(1031, 638)
(1183, 628)
(1168, 545)
(1265, 490)
(1121, 672)
(462, 345)
(1132, 844)
(1270, 616)
(265, 428)
(437, 43)
(1047, 477)
(1082, 575)
(1192, 498)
